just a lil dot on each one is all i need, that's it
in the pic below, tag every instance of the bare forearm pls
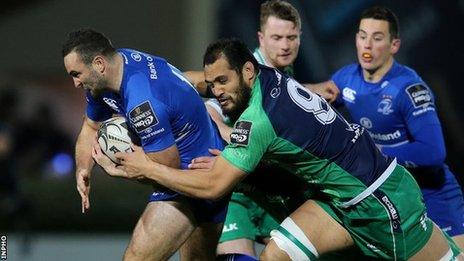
(84, 161)
(197, 183)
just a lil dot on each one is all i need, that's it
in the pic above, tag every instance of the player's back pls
(156, 87)
(293, 127)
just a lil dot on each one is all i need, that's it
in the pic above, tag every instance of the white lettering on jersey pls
(386, 137)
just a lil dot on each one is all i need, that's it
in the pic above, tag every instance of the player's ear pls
(248, 71)
(395, 46)
(260, 38)
(99, 63)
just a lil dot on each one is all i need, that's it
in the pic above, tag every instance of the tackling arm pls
(211, 184)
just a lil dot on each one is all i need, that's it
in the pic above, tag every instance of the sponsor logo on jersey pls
(241, 133)
(275, 92)
(384, 84)
(423, 110)
(151, 67)
(142, 117)
(419, 95)
(395, 220)
(229, 227)
(349, 94)
(279, 77)
(358, 131)
(112, 103)
(386, 137)
(365, 122)
(136, 56)
(384, 106)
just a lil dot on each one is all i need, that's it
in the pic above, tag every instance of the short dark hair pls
(385, 14)
(87, 43)
(280, 9)
(234, 50)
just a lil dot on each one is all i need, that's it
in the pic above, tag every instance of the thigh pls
(156, 236)
(322, 231)
(435, 248)
(201, 245)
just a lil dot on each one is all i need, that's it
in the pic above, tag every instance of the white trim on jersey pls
(369, 190)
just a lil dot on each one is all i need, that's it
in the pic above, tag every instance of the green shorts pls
(245, 219)
(390, 223)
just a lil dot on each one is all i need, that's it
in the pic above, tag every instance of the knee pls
(273, 252)
(131, 254)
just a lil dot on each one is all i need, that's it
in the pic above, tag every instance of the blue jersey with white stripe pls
(161, 107)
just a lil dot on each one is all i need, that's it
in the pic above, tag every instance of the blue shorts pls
(205, 211)
(445, 205)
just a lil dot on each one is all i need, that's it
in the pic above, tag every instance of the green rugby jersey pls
(288, 125)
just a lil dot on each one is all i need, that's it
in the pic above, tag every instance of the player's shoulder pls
(271, 77)
(403, 76)
(346, 72)
(349, 68)
(411, 85)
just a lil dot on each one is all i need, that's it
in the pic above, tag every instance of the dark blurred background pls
(41, 112)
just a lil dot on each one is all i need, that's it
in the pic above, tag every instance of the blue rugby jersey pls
(398, 111)
(161, 107)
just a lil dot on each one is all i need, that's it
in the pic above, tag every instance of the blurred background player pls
(170, 119)
(398, 109)
(279, 42)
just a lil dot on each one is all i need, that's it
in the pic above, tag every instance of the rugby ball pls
(114, 136)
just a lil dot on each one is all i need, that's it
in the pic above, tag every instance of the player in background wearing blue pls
(397, 108)
(170, 119)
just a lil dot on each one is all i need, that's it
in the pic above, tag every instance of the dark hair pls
(87, 43)
(235, 52)
(385, 14)
(280, 9)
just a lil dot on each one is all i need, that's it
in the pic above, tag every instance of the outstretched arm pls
(211, 184)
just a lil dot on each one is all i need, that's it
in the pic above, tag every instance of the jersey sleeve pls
(426, 146)
(248, 143)
(417, 106)
(148, 116)
(96, 109)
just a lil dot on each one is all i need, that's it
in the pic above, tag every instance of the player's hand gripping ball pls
(115, 136)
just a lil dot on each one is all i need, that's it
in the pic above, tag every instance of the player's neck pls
(377, 75)
(115, 73)
(266, 59)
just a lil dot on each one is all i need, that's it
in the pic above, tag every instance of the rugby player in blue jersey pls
(169, 117)
(397, 108)
(364, 198)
